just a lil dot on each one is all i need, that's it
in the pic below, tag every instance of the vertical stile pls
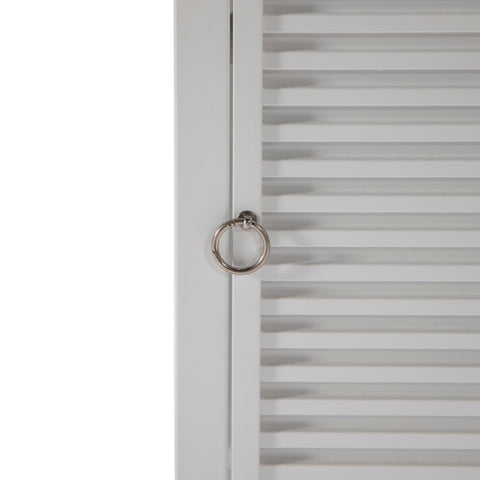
(246, 123)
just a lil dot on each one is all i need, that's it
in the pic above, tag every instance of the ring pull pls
(247, 220)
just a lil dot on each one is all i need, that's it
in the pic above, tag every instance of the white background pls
(86, 238)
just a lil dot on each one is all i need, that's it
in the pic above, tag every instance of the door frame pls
(202, 111)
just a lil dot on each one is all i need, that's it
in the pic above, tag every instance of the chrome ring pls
(246, 220)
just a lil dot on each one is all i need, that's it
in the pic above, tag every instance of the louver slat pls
(335, 472)
(370, 24)
(433, 408)
(414, 132)
(378, 273)
(356, 306)
(374, 238)
(371, 195)
(371, 169)
(372, 340)
(373, 61)
(404, 441)
(370, 374)
(428, 97)
(372, 203)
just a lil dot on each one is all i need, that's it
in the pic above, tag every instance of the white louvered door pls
(356, 349)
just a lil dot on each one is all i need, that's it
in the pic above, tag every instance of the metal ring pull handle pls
(246, 220)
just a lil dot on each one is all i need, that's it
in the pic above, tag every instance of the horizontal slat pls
(372, 340)
(368, 424)
(398, 7)
(374, 43)
(387, 115)
(371, 96)
(379, 60)
(398, 222)
(351, 272)
(352, 440)
(372, 168)
(370, 374)
(338, 257)
(374, 238)
(395, 189)
(453, 290)
(377, 357)
(285, 43)
(368, 151)
(362, 391)
(370, 472)
(368, 306)
(317, 406)
(372, 203)
(298, 132)
(382, 79)
(272, 356)
(324, 323)
(367, 23)
(372, 221)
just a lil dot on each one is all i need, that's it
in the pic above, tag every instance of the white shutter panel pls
(370, 302)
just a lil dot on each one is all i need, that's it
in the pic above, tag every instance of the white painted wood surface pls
(371, 157)
(247, 154)
(202, 193)
(355, 352)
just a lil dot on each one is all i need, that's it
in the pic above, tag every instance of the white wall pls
(86, 194)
